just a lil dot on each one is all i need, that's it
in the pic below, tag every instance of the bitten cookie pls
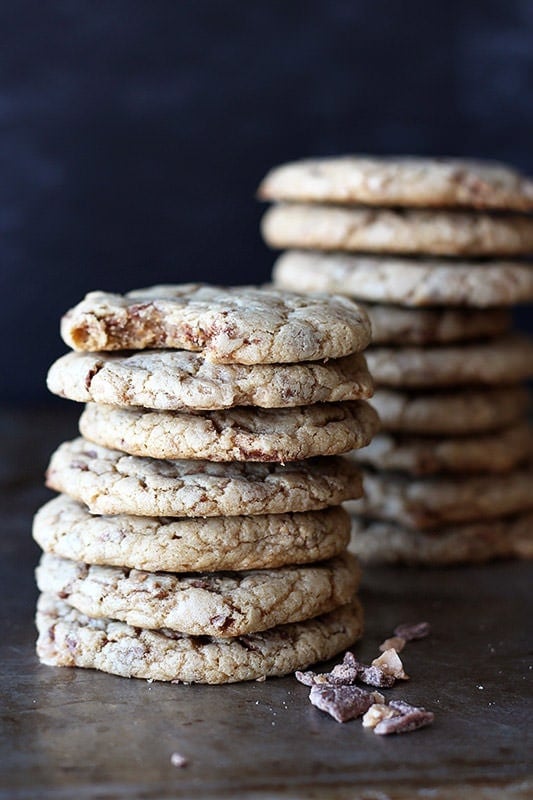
(242, 325)
(411, 282)
(65, 527)
(176, 380)
(70, 639)
(202, 604)
(110, 482)
(240, 434)
(397, 181)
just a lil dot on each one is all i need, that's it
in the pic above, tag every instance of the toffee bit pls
(413, 630)
(177, 760)
(391, 663)
(405, 719)
(396, 642)
(376, 713)
(342, 702)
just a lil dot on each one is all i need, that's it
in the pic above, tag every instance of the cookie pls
(444, 499)
(243, 325)
(240, 434)
(413, 232)
(407, 181)
(410, 282)
(384, 542)
(221, 604)
(450, 413)
(176, 380)
(426, 455)
(70, 639)
(397, 325)
(508, 359)
(109, 482)
(66, 528)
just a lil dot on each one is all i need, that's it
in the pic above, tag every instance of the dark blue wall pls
(133, 134)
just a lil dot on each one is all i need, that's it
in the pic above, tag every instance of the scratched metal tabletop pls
(81, 734)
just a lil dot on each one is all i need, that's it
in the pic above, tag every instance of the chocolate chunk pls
(341, 702)
(307, 678)
(372, 676)
(413, 630)
(343, 675)
(351, 660)
(222, 621)
(310, 678)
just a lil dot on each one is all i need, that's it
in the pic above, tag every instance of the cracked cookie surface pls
(242, 325)
(407, 231)
(507, 359)
(395, 181)
(385, 542)
(398, 325)
(219, 604)
(240, 434)
(421, 503)
(410, 282)
(110, 482)
(177, 380)
(71, 639)
(65, 527)
(497, 451)
(465, 411)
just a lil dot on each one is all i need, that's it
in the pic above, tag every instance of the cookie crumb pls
(177, 760)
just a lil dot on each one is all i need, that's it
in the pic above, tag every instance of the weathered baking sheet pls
(79, 734)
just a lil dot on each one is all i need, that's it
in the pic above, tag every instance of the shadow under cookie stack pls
(199, 535)
(437, 250)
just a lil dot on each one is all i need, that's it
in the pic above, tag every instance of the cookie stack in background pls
(199, 534)
(437, 250)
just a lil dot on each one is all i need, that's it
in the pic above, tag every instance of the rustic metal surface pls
(80, 734)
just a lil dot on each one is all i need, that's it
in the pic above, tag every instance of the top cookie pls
(400, 182)
(242, 325)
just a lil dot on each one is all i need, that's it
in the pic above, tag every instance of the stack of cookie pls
(199, 534)
(436, 248)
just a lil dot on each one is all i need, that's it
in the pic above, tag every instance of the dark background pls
(133, 134)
